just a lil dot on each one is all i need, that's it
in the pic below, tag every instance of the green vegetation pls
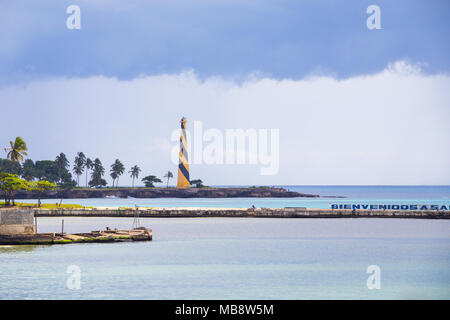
(17, 150)
(62, 165)
(7, 166)
(46, 170)
(97, 174)
(28, 170)
(9, 184)
(41, 186)
(45, 205)
(88, 165)
(168, 175)
(198, 183)
(134, 173)
(258, 187)
(59, 172)
(150, 180)
(79, 166)
(117, 169)
(62, 241)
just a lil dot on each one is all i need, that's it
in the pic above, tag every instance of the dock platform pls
(108, 235)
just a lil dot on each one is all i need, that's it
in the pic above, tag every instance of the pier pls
(18, 226)
(242, 212)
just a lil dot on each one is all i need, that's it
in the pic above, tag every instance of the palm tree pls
(78, 168)
(17, 150)
(113, 176)
(117, 170)
(82, 157)
(97, 173)
(62, 164)
(168, 175)
(78, 165)
(88, 164)
(61, 161)
(134, 172)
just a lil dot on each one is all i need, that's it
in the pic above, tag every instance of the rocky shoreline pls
(207, 192)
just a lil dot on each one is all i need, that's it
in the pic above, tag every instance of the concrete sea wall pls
(243, 212)
(17, 221)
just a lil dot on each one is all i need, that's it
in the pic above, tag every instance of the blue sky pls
(280, 39)
(352, 105)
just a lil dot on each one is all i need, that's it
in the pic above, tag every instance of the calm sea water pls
(244, 258)
(237, 258)
(368, 194)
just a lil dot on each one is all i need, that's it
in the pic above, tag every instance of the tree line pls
(59, 171)
(18, 173)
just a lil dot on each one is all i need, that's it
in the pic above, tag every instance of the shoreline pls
(142, 192)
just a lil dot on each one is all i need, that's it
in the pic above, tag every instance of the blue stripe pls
(184, 171)
(183, 151)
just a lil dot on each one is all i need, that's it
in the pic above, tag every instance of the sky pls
(352, 105)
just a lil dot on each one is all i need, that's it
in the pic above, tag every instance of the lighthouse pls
(183, 166)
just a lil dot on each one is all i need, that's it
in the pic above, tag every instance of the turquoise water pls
(439, 195)
(235, 202)
(237, 258)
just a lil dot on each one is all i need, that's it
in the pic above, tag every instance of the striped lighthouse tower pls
(183, 166)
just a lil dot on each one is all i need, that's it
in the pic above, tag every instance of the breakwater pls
(242, 212)
(206, 192)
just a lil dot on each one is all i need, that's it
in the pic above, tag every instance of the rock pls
(261, 192)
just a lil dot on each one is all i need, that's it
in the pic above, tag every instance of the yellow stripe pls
(182, 181)
(183, 160)
(183, 140)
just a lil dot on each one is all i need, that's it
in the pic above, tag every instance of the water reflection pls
(16, 248)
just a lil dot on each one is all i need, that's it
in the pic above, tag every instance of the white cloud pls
(386, 128)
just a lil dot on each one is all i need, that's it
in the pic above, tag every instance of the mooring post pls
(62, 227)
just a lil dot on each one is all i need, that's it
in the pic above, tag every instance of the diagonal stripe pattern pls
(183, 166)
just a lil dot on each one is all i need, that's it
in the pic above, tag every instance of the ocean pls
(243, 258)
(439, 195)
(237, 258)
